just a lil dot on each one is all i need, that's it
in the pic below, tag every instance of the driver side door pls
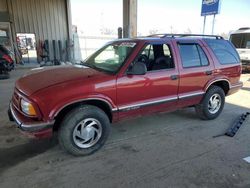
(154, 91)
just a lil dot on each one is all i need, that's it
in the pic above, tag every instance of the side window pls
(148, 52)
(166, 50)
(192, 55)
(156, 57)
(203, 57)
(224, 51)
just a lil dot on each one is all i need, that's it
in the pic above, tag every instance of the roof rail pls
(185, 35)
(244, 28)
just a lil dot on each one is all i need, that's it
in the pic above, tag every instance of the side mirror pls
(138, 69)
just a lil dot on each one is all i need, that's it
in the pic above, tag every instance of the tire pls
(84, 130)
(207, 110)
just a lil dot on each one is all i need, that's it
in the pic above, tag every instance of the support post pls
(119, 31)
(70, 34)
(129, 18)
(213, 24)
(204, 25)
(125, 18)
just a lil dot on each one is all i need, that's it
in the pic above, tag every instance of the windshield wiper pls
(87, 64)
(94, 67)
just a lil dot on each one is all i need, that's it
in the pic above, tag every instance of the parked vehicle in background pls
(241, 41)
(126, 78)
(6, 62)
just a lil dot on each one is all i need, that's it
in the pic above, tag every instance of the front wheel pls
(84, 130)
(212, 104)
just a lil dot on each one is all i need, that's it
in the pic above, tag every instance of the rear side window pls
(192, 55)
(224, 51)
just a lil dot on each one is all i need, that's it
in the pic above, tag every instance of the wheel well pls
(223, 84)
(100, 104)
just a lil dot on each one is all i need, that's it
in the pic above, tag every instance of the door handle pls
(209, 72)
(174, 77)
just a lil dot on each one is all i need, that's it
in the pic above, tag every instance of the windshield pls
(111, 57)
(241, 40)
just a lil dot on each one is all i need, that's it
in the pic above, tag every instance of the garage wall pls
(3, 6)
(47, 19)
(4, 16)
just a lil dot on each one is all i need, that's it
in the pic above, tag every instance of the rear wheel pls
(212, 104)
(84, 130)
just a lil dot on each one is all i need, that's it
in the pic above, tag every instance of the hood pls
(43, 77)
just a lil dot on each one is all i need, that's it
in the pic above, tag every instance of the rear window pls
(224, 51)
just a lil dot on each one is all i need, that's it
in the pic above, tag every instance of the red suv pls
(125, 78)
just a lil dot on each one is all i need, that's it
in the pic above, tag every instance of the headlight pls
(27, 108)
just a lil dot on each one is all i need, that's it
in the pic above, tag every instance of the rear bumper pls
(234, 88)
(30, 126)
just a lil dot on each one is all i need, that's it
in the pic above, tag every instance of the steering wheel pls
(143, 59)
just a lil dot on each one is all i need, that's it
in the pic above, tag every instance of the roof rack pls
(185, 35)
(244, 28)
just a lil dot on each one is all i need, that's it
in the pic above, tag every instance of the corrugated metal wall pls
(3, 6)
(4, 16)
(47, 19)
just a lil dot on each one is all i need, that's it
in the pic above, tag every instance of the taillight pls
(7, 58)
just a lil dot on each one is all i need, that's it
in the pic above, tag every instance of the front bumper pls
(28, 126)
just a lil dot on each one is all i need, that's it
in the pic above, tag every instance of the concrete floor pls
(162, 150)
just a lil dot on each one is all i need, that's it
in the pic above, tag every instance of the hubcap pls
(87, 133)
(214, 103)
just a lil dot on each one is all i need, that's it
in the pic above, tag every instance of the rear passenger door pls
(195, 71)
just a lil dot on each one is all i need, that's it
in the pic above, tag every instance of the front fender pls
(61, 105)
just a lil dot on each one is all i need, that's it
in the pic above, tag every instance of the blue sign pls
(210, 7)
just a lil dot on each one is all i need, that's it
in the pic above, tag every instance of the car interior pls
(156, 57)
